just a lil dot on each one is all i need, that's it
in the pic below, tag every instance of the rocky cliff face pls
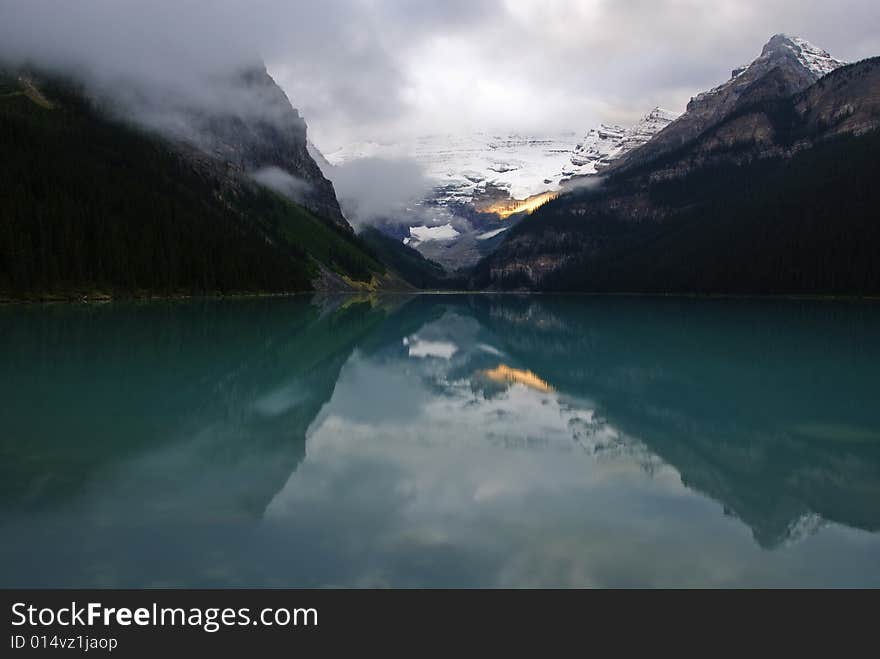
(604, 145)
(263, 130)
(847, 102)
(763, 125)
(792, 63)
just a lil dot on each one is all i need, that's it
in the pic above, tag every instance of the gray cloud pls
(373, 189)
(382, 69)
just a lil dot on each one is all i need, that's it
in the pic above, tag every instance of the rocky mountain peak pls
(260, 131)
(814, 59)
(660, 114)
(606, 144)
(802, 62)
(787, 65)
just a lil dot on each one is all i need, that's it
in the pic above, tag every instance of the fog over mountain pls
(387, 70)
(379, 189)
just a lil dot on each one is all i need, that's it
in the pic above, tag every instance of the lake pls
(439, 441)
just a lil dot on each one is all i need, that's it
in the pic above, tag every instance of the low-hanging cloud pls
(282, 182)
(382, 190)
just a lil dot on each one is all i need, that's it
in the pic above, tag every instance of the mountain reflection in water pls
(441, 441)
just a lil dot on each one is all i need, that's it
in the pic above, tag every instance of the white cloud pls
(281, 182)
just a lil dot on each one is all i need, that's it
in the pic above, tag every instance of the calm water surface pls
(440, 441)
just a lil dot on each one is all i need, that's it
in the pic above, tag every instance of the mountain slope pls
(795, 64)
(275, 136)
(91, 204)
(606, 144)
(243, 120)
(777, 197)
(406, 261)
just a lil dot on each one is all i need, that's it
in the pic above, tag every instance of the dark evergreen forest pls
(805, 225)
(92, 205)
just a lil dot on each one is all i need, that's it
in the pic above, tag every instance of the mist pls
(282, 182)
(372, 190)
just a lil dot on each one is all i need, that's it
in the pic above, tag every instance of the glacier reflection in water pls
(441, 441)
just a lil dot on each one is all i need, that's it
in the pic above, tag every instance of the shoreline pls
(102, 298)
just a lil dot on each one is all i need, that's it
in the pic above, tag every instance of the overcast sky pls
(377, 69)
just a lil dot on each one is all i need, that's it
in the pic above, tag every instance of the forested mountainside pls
(408, 262)
(93, 205)
(777, 196)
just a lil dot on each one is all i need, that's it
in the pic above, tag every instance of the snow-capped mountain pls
(781, 50)
(598, 145)
(811, 57)
(786, 65)
(746, 151)
(470, 166)
(605, 144)
(488, 173)
(465, 165)
(477, 174)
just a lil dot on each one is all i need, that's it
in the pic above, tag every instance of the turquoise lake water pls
(435, 441)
